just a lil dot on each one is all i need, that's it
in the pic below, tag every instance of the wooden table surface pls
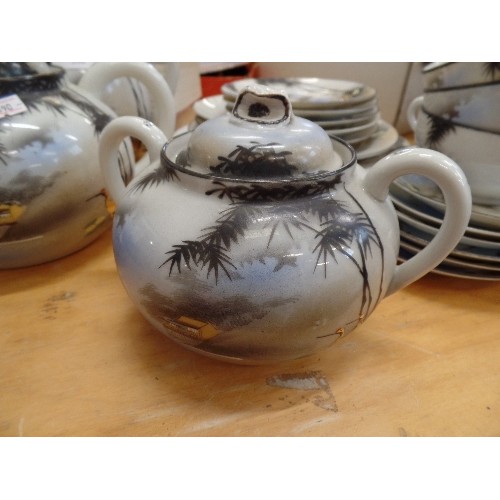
(78, 359)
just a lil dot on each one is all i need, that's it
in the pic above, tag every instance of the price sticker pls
(11, 105)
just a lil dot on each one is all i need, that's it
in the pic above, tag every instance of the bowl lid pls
(261, 139)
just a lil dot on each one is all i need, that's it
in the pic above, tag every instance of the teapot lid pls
(261, 139)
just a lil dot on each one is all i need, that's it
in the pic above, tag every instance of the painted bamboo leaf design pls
(158, 176)
(334, 227)
(257, 161)
(50, 102)
(211, 249)
(490, 68)
(98, 118)
(439, 128)
(375, 237)
(260, 193)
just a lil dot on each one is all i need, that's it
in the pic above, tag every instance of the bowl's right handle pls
(413, 111)
(112, 136)
(456, 191)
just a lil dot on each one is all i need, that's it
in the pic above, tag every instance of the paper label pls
(11, 105)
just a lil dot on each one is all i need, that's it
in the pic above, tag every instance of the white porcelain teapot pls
(257, 238)
(52, 196)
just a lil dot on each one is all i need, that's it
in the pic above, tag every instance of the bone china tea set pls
(254, 237)
(257, 237)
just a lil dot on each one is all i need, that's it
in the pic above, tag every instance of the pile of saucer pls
(420, 208)
(344, 109)
(458, 114)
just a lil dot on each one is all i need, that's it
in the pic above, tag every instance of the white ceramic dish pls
(412, 206)
(342, 123)
(426, 191)
(216, 105)
(462, 263)
(210, 107)
(430, 231)
(328, 114)
(381, 142)
(479, 254)
(355, 134)
(453, 271)
(401, 143)
(308, 92)
(365, 108)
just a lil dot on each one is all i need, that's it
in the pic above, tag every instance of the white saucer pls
(453, 272)
(355, 135)
(210, 107)
(477, 254)
(462, 263)
(369, 107)
(411, 205)
(450, 267)
(428, 192)
(328, 115)
(379, 143)
(308, 92)
(342, 123)
(430, 231)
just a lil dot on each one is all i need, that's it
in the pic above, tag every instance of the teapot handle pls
(112, 136)
(99, 75)
(455, 188)
(413, 111)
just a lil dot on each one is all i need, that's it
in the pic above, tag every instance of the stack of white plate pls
(345, 109)
(420, 208)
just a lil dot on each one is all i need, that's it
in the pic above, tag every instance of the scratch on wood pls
(20, 427)
(307, 381)
(51, 306)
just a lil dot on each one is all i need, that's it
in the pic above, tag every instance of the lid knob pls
(263, 105)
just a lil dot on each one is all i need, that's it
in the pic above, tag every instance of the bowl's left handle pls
(115, 179)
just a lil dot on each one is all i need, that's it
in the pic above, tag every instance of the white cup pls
(477, 152)
(440, 75)
(477, 106)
